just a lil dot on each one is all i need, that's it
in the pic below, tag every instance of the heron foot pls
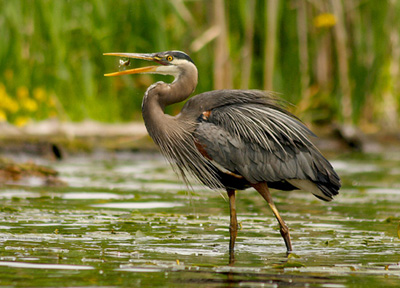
(286, 236)
(263, 189)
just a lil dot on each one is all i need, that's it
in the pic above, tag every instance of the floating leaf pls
(292, 255)
(290, 264)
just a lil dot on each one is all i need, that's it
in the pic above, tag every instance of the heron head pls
(171, 63)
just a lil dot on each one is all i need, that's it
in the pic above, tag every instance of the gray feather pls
(253, 136)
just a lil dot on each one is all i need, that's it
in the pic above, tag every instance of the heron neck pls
(182, 87)
(160, 95)
(153, 114)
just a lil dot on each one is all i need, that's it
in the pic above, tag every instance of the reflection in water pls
(138, 205)
(44, 266)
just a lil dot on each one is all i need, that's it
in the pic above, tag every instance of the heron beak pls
(148, 69)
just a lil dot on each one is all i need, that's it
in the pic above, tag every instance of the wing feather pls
(262, 142)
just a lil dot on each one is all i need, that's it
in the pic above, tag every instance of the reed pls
(335, 60)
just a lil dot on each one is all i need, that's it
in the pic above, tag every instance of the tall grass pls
(335, 60)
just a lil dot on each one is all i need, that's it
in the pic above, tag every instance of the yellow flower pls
(29, 105)
(325, 20)
(3, 91)
(21, 121)
(22, 92)
(9, 104)
(3, 116)
(39, 94)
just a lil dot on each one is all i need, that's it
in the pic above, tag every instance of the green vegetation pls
(335, 60)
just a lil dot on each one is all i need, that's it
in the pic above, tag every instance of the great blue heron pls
(231, 139)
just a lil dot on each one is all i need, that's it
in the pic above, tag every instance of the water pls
(126, 220)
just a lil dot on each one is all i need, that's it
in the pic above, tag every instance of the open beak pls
(148, 57)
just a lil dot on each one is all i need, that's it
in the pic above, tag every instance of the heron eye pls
(170, 58)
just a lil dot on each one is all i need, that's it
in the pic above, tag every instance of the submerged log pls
(17, 173)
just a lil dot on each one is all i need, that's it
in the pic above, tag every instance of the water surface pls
(126, 220)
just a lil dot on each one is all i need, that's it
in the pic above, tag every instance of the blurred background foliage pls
(335, 60)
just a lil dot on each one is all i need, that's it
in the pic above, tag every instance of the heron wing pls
(263, 142)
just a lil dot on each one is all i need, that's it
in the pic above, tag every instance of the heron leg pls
(233, 227)
(263, 189)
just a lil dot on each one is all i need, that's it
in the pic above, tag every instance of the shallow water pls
(126, 220)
